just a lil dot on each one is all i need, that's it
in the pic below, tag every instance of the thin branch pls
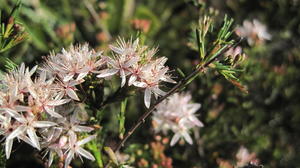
(152, 108)
(181, 83)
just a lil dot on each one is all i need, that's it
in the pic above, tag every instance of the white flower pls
(127, 55)
(76, 149)
(177, 113)
(26, 95)
(138, 64)
(27, 125)
(74, 63)
(44, 95)
(243, 156)
(150, 78)
(255, 32)
(73, 125)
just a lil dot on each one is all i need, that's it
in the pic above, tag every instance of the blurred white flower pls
(177, 113)
(244, 157)
(254, 31)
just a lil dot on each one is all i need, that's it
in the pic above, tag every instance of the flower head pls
(177, 113)
(138, 64)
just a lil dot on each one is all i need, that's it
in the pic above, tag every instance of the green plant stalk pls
(97, 153)
(121, 118)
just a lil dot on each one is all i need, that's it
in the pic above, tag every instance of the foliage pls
(259, 111)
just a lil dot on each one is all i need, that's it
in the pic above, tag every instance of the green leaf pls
(10, 65)
(180, 72)
(94, 147)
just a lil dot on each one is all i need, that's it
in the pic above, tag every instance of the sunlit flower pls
(177, 113)
(150, 78)
(72, 65)
(126, 55)
(137, 63)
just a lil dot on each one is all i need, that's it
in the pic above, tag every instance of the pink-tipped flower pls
(44, 95)
(150, 77)
(126, 55)
(72, 65)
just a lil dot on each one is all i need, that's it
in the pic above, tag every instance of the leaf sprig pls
(11, 31)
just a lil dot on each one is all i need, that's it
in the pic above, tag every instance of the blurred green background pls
(266, 120)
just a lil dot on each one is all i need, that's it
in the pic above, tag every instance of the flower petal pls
(79, 128)
(140, 84)
(132, 79)
(72, 94)
(147, 97)
(33, 137)
(8, 147)
(187, 137)
(58, 102)
(16, 132)
(69, 158)
(12, 112)
(85, 153)
(41, 124)
(52, 112)
(107, 72)
(81, 75)
(86, 140)
(116, 50)
(196, 121)
(123, 76)
(50, 159)
(175, 139)
(68, 77)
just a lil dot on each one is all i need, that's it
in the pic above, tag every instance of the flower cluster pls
(39, 106)
(255, 32)
(70, 67)
(177, 113)
(137, 64)
(33, 104)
